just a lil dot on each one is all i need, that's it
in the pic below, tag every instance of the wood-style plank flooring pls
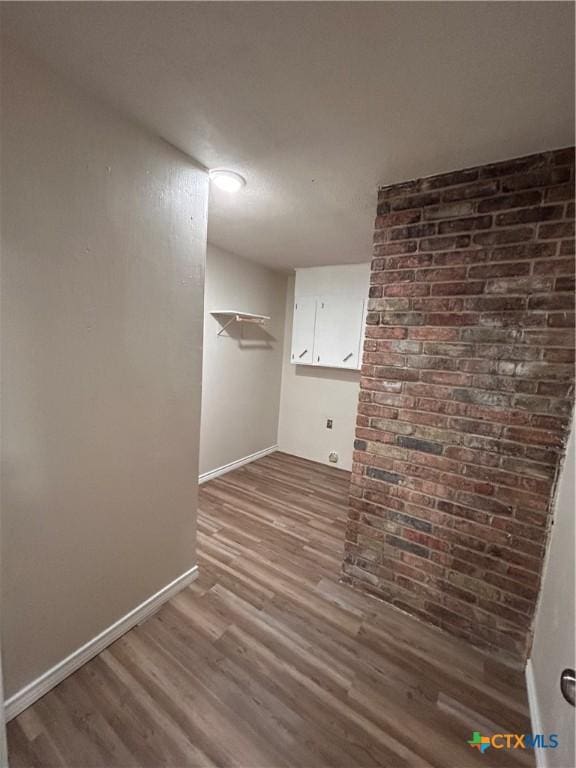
(268, 661)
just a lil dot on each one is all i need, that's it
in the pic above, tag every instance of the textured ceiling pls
(317, 104)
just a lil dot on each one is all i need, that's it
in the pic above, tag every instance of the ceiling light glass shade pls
(229, 181)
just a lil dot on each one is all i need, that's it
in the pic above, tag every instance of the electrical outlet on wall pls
(333, 457)
(328, 423)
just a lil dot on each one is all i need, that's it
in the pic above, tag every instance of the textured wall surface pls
(102, 297)
(466, 395)
(241, 368)
(554, 646)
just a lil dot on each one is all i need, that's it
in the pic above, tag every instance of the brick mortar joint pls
(549, 155)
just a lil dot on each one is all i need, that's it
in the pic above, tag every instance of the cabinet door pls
(303, 332)
(339, 327)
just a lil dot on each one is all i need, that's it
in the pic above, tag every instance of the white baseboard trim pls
(205, 476)
(535, 718)
(37, 688)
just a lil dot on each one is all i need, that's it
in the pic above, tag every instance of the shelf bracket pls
(232, 320)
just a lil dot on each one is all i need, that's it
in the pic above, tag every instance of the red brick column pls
(466, 395)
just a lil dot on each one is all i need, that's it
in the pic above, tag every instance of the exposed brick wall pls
(466, 395)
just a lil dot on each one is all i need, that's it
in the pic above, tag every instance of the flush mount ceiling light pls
(229, 181)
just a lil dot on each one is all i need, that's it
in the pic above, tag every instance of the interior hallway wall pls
(310, 396)
(103, 246)
(553, 649)
(242, 366)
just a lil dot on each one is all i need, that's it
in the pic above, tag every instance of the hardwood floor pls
(268, 661)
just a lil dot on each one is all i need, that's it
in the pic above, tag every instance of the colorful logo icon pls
(479, 742)
(513, 741)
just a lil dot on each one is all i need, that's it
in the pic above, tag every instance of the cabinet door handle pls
(302, 354)
(348, 356)
(567, 685)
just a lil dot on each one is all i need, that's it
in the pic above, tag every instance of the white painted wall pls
(243, 366)
(103, 247)
(554, 626)
(3, 743)
(311, 395)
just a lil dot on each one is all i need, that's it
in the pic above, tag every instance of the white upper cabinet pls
(303, 331)
(339, 331)
(329, 316)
